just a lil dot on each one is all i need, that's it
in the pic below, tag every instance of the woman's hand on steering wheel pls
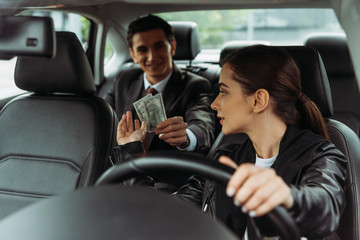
(255, 189)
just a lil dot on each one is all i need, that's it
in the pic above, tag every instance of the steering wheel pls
(184, 162)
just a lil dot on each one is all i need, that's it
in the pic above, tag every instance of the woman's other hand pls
(126, 132)
(255, 189)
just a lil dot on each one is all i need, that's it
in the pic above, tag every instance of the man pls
(190, 121)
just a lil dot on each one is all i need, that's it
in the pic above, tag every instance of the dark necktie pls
(151, 90)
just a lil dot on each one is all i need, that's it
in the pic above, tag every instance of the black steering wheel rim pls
(177, 162)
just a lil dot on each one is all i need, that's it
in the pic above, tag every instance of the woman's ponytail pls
(311, 116)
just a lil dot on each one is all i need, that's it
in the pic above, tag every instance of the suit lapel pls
(133, 93)
(173, 88)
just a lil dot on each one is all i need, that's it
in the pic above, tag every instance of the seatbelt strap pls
(215, 146)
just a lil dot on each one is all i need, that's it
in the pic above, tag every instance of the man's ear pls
(133, 55)
(173, 47)
(261, 100)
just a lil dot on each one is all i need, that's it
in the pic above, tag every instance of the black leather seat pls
(188, 47)
(236, 44)
(316, 86)
(57, 138)
(187, 39)
(334, 51)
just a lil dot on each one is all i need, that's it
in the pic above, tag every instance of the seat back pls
(316, 86)
(339, 67)
(187, 38)
(237, 44)
(57, 138)
(188, 47)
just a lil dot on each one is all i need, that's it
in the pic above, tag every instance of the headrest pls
(68, 72)
(188, 40)
(234, 45)
(334, 51)
(314, 80)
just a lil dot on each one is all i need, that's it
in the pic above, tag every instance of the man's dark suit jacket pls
(185, 94)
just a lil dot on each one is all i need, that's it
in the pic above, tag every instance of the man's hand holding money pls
(151, 110)
(173, 131)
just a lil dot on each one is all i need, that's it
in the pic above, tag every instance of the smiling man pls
(190, 120)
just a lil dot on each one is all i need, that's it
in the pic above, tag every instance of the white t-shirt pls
(264, 163)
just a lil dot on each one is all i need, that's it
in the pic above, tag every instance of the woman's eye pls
(223, 93)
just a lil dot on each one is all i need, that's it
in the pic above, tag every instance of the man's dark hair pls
(146, 23)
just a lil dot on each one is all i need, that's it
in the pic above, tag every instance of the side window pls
(116, 51)
(62, 22)
(109, 51)
(7, 84)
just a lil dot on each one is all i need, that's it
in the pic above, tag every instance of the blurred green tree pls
(213, 26)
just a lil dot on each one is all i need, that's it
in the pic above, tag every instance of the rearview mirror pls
(26, 36)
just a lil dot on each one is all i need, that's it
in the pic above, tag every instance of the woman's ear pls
(261, 100)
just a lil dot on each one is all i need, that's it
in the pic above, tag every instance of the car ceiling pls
(72, 3)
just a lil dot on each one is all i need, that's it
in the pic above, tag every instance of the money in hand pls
(150, 109)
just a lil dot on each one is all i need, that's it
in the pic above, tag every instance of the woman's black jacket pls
(313, 168)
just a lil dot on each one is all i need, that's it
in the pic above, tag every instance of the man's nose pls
(151, 55)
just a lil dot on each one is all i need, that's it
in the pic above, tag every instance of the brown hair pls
(147, 23)
(273, 69)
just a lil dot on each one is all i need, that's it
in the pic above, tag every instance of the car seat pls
(334, 51)
(188, 47)
(56, 138)
(236, 44)
(316, 86)
(188, 40)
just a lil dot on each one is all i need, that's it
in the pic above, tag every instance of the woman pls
(286, 160)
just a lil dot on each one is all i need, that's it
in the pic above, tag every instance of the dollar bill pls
(139, 106)
(151, 109)
(155, 111)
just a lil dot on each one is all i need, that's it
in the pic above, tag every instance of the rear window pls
(267, 26)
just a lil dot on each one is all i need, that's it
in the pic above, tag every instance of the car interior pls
(57, 134)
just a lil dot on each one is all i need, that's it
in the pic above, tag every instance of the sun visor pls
(26, 36)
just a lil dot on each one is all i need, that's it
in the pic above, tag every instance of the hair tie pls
(302, 98)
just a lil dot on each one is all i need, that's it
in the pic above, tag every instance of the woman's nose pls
(214, 104)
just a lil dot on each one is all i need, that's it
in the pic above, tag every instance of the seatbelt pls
(215, 146)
